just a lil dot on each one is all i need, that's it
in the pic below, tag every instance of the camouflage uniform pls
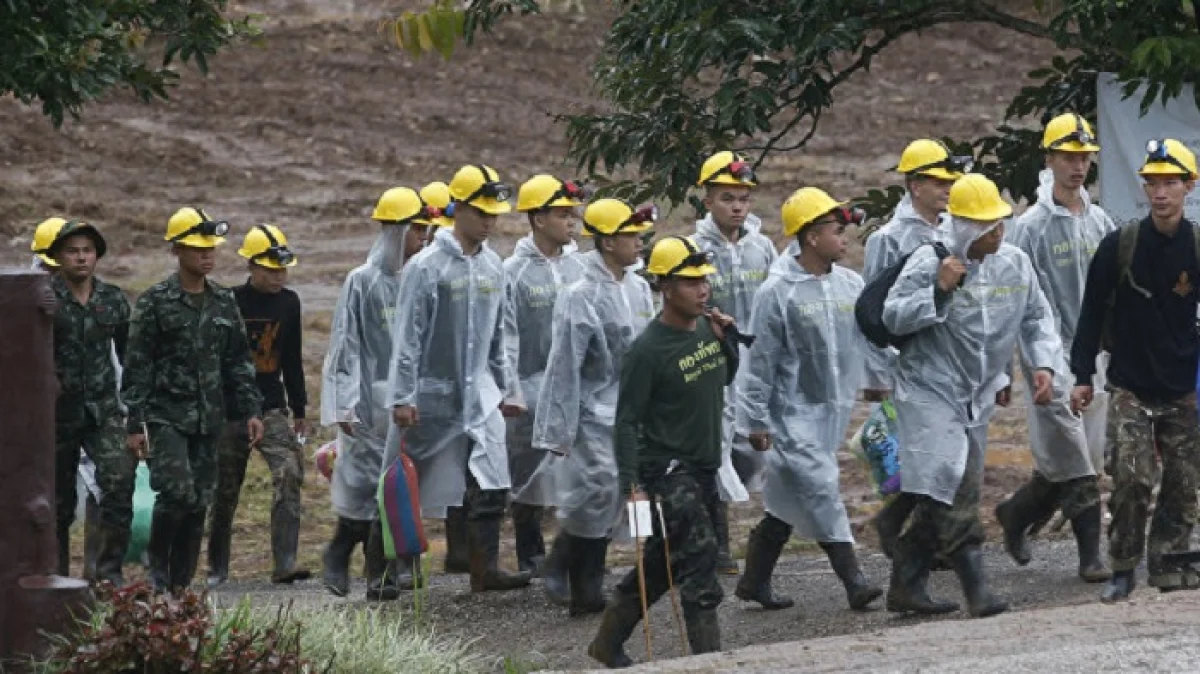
(183, 348)
(1139, 432)
(88, 414)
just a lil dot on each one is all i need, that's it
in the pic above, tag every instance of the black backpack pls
(868, 309)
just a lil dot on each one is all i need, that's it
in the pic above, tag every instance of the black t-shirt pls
(273, 327)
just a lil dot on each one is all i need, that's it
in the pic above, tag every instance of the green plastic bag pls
(143, 512)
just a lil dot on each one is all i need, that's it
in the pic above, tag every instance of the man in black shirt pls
(271, 313)
(1140, 303)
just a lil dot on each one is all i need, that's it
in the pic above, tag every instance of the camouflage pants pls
(183, 470)
(282, 454)
(947, 528)
(1074, 496)
(688, 501)
(1139, 433)
(116, 470)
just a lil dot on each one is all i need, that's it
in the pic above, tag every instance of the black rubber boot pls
(1086, 526)
(762, 552)
(64, 551)
(889, 521)
(111, 555)
(285, 538)
(336, 560)
(185, 550)
(586, 571)
(1033, 501)
(458, 544)
(158, 549)
(1119, 587)
(859, 592)
(486, 574)
(968, 565)
(527, 530)
(93, 539)
(622, 614)
(555, 574)
(726, 565)
(908, 591)
(381, 579)
(220, 533)
(703, 631)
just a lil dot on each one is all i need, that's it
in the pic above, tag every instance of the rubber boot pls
(859, 592)
(381, 578)
(555, 575)
(407, 572)
(908, 591)
(889, 521)
(64, 551)
(93, 539)
(527, 530)
(762, 552)
(457, 558)
(285, 538)
(220, 534)
(1119, 587)
(486, 574)
(968, 565)
(1086, 526)
(111, 554)
(726, 565)
(158, 549)
(621, 616)
(1033, 501)
(336, 560)
(703, 631)
(185, 550)
(586, 571)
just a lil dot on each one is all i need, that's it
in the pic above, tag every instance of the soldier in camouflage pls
(186, 341)
(92, 318)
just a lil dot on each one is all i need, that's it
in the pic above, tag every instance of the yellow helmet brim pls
(726, 179)
(996, 212)
(200, 241)
(631, 229)
(1075, 146)
(696, 272)
(940, 173)
(47, 260)
(491, 206)
(565, 202)
(266, 261)
(1162, 168)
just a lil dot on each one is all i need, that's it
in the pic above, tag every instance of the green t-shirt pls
(671, 401)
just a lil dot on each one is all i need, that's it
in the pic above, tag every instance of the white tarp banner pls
(1123, 134)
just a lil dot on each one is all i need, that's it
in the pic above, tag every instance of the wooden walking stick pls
(641, 569)
(683, 642)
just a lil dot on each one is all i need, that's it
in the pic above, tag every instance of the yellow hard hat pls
(73, 227)
(193, 228)
(266, 246)
(805, 206)
(932, 158)
(613, 216)
(726, 168)
(1069, 133)
(974, 197)
(438, 211)
(546, 191)
(1168, 157)
(679, 256)
(43, 238)
(480, 186)
(398, 205)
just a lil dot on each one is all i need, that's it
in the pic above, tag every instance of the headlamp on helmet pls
(647, 213)
(850, 216)
(952, 163)
(696, 259)
(277, 252)
(1080, 135)
(492, 189)
(205, 227)
(1157, 151)
(739, 169)
(569, 189)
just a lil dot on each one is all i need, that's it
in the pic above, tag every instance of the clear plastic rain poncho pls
(904, 233)
(742, 267)
(533, 283)
(449, 362)
(355, 374)
(947, 376)
(1061, 245)
(800, 385)
(595, 322)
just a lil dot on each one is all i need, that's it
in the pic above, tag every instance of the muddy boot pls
(703, 631)
(726, 565)
(1033, 501)
(111, 554)
(1119, 587)
(458, 546)
(620, 617)
(527, 530)
(586, 571)
(93, 539)
(859, 592)
(185, 550)
(285, 538)
(555, 575)
(486, 574)
(762, 552)
(219, 539)
(336, 560)
(889, 521)
(908, 591)
(381, 578)
(158, 549)
(1086, 526)
(968, 565)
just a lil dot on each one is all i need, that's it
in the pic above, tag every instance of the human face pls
(623, 249)
(687, 297)
(930, 194)
(1167, 194)
(1070, 169)
(472, 225)
(729, 205)
(556, 224)
(196, 261)
(267, 279)
(989, 243)
(826, 238)
(77, 257)
(415, 239)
